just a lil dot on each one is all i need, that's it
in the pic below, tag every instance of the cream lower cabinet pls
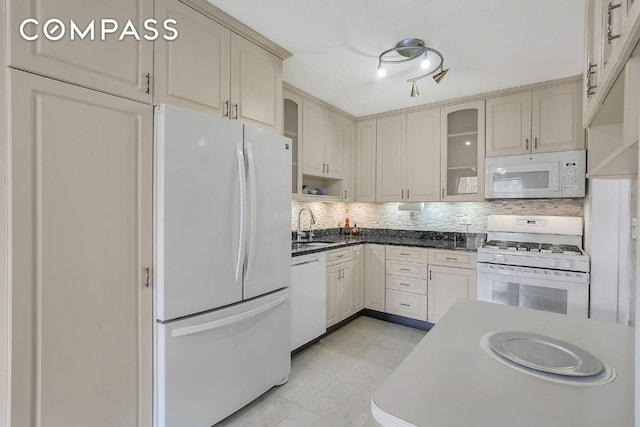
(406, 282)
(359, 266)
(452, 275)
(111, 65)
(340, 285)
(81, 224)
(374, 277)
(210, 68)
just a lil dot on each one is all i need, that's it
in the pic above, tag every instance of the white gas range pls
(535, 262)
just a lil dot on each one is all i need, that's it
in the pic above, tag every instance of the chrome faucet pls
(312, 220)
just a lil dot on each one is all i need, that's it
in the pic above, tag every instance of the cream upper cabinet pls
(541, 121)
(113, 66)
(256, 85)
(313, 128)
(322, 141)
(358, 277)
(334, 147)
(194, 70)
(509, 125)
(81, 208)
(292, 104)
(365, 161)
(423, 156)
(557, 119)
(391, 170)
(348, 176)
(374, 277)
(211, 68)
(462, 152)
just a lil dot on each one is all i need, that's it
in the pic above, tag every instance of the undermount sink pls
(300, 245)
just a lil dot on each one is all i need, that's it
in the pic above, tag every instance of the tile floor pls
(331, 383)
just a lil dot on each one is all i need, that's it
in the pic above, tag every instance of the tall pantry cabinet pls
(76, 142)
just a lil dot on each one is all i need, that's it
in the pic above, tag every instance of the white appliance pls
(222, 263)
(535, 262)
(543, 175)
(308, 298)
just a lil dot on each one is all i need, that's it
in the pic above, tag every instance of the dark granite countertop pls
(469, 242)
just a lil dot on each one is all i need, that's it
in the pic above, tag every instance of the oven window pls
(536, 297)
(516, 182)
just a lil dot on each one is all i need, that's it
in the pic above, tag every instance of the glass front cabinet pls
(462, 152)
(292, 129)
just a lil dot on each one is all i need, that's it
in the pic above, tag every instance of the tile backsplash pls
(436, 216)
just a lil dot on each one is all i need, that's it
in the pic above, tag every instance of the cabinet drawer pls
(404, 253)
(406, 304)
(406, 284)
(453, 258)
(407, 269)
(338, 256)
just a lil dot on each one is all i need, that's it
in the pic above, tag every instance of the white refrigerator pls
(222, 265)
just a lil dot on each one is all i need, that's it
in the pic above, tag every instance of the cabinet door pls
(391, 172)
(313, 139)
(365, 161)
(81, 318)
(193, 70)
(348, 174)
(509, 125)
(346, 290)
(592, 36)
(333, 144)
(113, 66)
(374, 277)
(358, 278)
(557, 124)
(462, 152)
(445, 286)
(256, 85)
(423, 156)
(292, 129)
(333, 291)
(610, 33)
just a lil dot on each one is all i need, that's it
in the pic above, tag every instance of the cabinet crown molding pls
(238, 27)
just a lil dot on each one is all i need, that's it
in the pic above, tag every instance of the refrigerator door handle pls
(254, 211)
(229, 320)
(243, 201)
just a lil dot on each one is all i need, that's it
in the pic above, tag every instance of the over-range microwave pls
(543, 175)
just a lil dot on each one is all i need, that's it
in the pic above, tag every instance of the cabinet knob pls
(526, 142)
(535, 142)
(225, 112)
(327, 167)
(148, 76)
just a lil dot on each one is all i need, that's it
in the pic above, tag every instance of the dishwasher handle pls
(308, 261)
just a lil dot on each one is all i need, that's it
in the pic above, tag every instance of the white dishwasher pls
(308, 293)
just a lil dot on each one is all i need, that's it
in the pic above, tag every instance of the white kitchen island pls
(449, 381)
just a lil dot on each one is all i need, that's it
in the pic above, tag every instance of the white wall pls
(609, 248)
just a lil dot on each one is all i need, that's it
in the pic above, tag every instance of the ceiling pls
(488, 44)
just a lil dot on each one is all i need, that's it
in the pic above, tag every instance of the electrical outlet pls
(634, 228)
(465, 220)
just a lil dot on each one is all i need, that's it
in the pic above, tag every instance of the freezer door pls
(268, 264)
(210, 366)
(199, 181)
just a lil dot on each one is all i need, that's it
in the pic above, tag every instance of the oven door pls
(564, 292)
(522, 180)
